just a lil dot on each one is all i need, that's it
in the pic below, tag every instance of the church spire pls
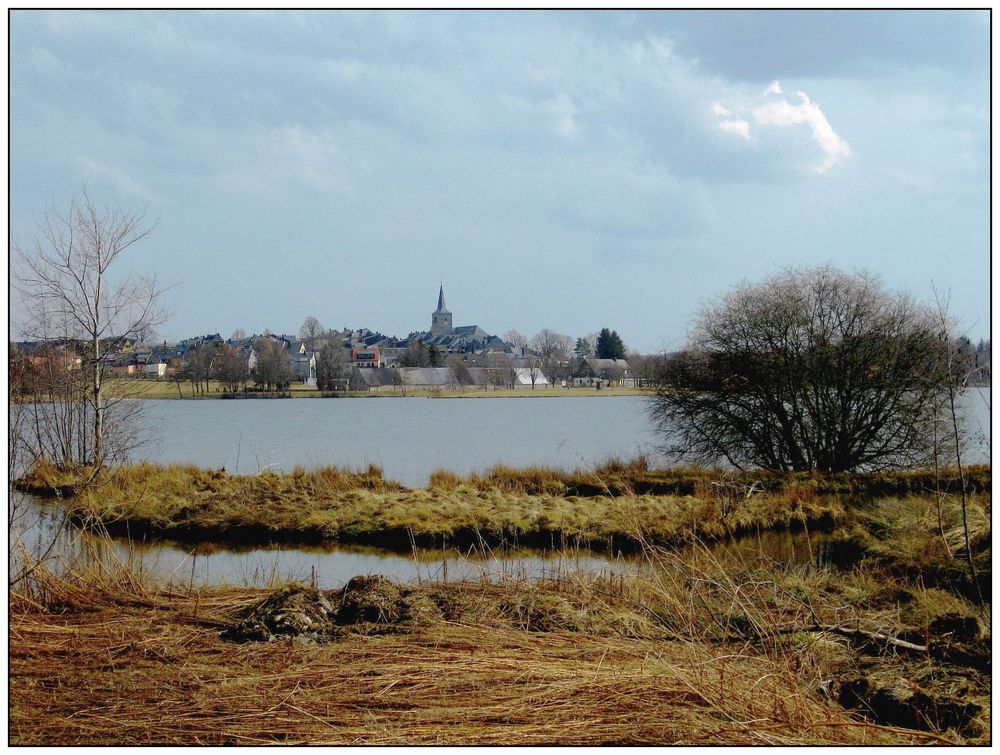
(441, 307)
(441, 317)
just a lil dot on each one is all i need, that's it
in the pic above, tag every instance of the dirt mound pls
(372, 600)
(366, 605)
(896, 701)
(292, 612)
(959, 639)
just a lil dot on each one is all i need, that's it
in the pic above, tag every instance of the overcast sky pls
(563, 170)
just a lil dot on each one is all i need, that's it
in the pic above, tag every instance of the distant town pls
(331, 360)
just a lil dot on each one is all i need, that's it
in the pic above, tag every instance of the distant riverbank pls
(166, 389)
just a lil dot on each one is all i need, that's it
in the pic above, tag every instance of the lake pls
(408, 437)
(411, 437)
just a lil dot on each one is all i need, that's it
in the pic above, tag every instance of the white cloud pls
(739, 127)
(784, 114)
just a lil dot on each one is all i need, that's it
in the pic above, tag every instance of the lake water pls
(408, 437)
(411, 437)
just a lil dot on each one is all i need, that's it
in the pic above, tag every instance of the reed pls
(695, 651)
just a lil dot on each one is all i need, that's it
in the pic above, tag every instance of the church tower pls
(441, 317)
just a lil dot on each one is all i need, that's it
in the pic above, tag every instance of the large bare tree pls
(230, 366)
(813, 369)
(77, 294)
(555, 350)
(310, 332)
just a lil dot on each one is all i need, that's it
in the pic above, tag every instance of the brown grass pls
(103, 659)
(535, 505)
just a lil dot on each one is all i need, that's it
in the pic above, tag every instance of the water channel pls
(42, 530)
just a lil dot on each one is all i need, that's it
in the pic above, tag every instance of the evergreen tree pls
(434, 355)
(582, 348)
(609, 345)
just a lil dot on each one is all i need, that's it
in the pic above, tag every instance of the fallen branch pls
(856, 634)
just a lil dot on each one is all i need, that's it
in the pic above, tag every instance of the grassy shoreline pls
(146, 389)
(620, 506)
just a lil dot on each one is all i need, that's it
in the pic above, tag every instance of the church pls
(463, 338)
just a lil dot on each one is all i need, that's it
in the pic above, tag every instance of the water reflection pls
(41, 528)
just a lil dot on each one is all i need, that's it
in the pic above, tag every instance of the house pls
(369, 356)
(155, 370)
(592, 372)
(303, 366)
(373, 379)
(427, 377)
(529, 377)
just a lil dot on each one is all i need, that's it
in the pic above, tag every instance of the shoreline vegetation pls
(884, 646)
(622, 506)
(146, 389)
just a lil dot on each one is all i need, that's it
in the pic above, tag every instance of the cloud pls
(784, 114)
(736, 127)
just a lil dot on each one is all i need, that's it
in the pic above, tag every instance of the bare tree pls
(415, 355)
(534, 370)
(555, 351)
(199, 366)
(310, 332)
(459, 369)
(514, 338)
(67, 274)
(238, 335)
(812, 369)
(271, 370)
(959, 369)
(500, 371)
(230, 367)
(548, 343)
(332, 368)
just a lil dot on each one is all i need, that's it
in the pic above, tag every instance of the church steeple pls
(441, 317)
(441, 307)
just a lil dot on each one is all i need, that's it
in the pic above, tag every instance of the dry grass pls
(102, 659)
(529, 506)
(534, 505)
(145, 388)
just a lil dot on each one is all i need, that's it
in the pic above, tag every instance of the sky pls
(569, 170)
